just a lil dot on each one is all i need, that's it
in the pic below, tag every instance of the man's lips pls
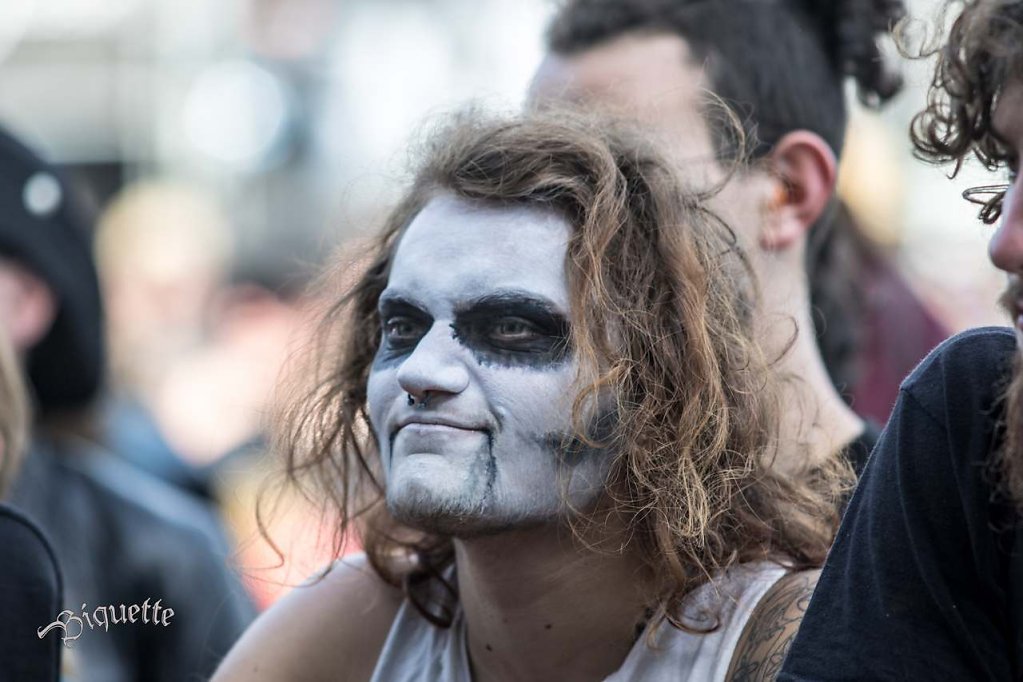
(434, 420)
(429, 427)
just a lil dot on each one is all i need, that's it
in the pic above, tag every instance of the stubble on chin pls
(441, 508)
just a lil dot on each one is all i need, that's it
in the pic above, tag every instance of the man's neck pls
(816, 421)
(539, 607)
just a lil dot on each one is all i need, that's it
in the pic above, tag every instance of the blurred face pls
(1006, 247)
(652, 79)
(476, 325)
(27, 306)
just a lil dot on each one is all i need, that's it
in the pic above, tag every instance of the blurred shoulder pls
(771, 627)
(326, 629)
(968, 366)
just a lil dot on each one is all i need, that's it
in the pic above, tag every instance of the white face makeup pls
(475, 320)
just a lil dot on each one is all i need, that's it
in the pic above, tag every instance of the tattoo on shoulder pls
(771, 628)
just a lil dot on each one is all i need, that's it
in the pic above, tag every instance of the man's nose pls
(1006, 246)
(435, 365)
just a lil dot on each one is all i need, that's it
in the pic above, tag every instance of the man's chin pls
(456, 518)
(448, 524)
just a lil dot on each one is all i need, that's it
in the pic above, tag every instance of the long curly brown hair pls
(661, 298)
(14, 413)
(983, 52)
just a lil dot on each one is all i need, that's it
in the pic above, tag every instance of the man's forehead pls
(646, 77)
(448, 222)
(634, 71)
(454, 248)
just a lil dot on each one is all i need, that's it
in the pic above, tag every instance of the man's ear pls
(804, 168)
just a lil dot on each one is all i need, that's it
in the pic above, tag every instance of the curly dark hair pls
(983, 51)
(661, 298)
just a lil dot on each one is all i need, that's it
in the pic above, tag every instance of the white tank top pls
(418, 651)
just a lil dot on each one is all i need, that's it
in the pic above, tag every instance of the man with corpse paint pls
(672, 64)
(925, 577)
(542, 408)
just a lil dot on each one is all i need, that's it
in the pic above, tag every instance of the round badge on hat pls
(42, 195)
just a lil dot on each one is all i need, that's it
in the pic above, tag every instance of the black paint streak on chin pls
(572, 450)
(546, 345)
(491, 466)
(390, 448)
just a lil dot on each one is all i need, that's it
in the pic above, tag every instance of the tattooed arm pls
(771, 628)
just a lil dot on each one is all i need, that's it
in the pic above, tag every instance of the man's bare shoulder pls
(771, 628)
(330, 629)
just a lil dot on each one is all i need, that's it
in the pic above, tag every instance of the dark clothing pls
(31, 596)
(858, 451)
(924, 580)
(121, 538)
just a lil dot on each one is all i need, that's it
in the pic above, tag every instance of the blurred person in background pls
(670, 63)
(200, 325)
(121, 536)
(163, 251)
(542, 406)
(925, 578)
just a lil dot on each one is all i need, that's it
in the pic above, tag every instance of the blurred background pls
(228, 147)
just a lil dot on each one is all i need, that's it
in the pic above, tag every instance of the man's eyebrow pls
(391, 299)
(511, 298)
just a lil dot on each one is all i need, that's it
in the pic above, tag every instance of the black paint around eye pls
(402, 326)
(513, 330)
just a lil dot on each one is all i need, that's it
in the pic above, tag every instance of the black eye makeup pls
(402, 325)
(513, 330)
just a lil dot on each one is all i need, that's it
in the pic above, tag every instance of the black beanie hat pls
(43, 229)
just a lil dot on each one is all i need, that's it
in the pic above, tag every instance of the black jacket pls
(123, 537)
